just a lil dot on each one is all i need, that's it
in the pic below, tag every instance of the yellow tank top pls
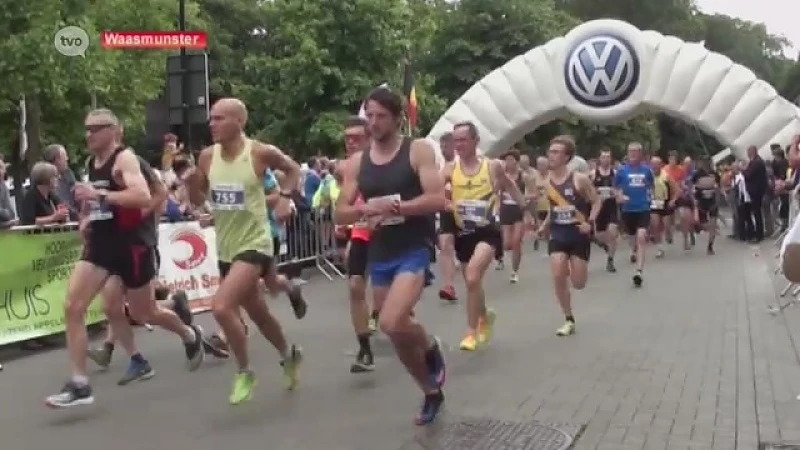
(541, 181)
(473, 197)
(661, 187)
(239, 205)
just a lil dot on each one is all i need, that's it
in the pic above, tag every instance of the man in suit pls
(756, 181)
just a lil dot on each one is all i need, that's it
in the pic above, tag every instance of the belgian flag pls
(411, 95)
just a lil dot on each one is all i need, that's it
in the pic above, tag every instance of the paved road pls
(692, 360)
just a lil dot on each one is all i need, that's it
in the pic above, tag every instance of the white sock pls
(80, 380)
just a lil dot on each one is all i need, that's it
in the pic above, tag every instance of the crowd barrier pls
(37, 263)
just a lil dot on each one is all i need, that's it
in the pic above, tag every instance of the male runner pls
(118, 245)
(356, 135)
(662, 204)
(447, 228)
(574, 208)
(475, 179)
(399, 180)
(231, 172)
(706, 183)
(511, 213)
(633, 182)
(608, 217)
(539, 196)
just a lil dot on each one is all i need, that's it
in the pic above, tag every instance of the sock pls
(138, 358)
(375, 314)
(363, 343)
(80, 380)
(192, 336)
(109, 347)
(570, 318)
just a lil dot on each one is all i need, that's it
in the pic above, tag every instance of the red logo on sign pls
(196, 243)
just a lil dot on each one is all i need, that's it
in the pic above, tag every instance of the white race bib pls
(99, 210)
(508, 199)
(473, 213)
(227, 197)
(657, 204)
(707, 194)
(636, 180)
(391, 220)
(564, 215)
(605, 192)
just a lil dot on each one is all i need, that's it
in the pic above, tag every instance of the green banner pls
(34, 273)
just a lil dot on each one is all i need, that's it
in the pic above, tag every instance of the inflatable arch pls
(608, 71)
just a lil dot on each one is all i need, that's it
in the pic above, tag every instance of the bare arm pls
(432, 200)
(136, 193)
(158, 194)
(586, 186)
(675, 189)
(345, 212)
(196, 179)
(274, 158)
(501, 182)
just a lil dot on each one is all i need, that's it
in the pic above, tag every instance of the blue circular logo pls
(602, 71)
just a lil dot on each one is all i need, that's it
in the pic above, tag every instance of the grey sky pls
(780, 16)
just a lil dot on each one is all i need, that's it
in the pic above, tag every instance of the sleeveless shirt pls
(396, 180)
(564, 219)
(661, 191)
(605, 185)
(473, 197)
(507, 198)
(238, 204)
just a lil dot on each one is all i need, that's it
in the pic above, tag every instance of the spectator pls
(312, 181)
(8, 216)
(780, 168)
(742, 203)
(56, 155)
(756, 180)
(41, 205)
(169, 153)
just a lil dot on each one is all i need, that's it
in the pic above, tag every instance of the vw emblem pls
(602, 71)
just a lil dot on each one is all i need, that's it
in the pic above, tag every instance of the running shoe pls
(71, 394)
(137, 371)
(430, 408)
(514, 278)
(448, 293)
(637, 279)
(436, 364)
(567, 329)
(299, 305)
(486, 327)
(610, 267)
(101, 356)
(469, 343)
(195, 351)
(365, 362)
(216, 346)
(291, 367)
(243, 384)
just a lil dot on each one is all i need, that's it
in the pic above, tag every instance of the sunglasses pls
(98, 127)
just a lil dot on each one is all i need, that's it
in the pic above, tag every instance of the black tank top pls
(507, 199)
(564, 218)
(398, 179)
(113, 224)
(604, 185)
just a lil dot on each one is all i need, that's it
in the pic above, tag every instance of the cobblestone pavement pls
(690, 361)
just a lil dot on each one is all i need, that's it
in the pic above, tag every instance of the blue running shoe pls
(436, 364)
(430, 408)
(138, 370)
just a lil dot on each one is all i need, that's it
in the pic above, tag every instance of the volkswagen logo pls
(602, 71)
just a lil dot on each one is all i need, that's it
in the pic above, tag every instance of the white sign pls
(189, 261)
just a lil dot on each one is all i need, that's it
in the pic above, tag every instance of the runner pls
(662, 205)
(356, 137)
(401, 184)
(633, 183)
(511, 213)
(574, 208)
(232, 173)
(539, 196)
(475, 179)
(447, 228)
(607, 219)
(706, 183)
(118, 245)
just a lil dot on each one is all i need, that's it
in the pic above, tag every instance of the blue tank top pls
(635, 182)
(564, 218)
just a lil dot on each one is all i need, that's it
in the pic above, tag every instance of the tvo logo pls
(602, 71)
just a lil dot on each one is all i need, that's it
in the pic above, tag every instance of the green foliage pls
(303, 66)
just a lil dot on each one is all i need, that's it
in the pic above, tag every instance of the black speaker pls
(197, 88)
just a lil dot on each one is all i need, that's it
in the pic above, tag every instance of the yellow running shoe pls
(291, 367)
(486, 327)
(243, 384)
(469, 343)
(567, 329)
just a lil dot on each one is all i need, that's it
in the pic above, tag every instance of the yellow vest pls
(473, 197)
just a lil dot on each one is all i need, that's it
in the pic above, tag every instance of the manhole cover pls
(483, 434)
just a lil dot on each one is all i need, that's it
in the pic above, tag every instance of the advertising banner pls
(189, 261)
(34, 273)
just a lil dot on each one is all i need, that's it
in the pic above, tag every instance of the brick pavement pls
(691, 361)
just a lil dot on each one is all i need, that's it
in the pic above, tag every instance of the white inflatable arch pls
(608, 71)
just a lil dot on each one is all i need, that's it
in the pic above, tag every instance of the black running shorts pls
(357, 258)
(250, 257)
(136, 265)
(465, 243)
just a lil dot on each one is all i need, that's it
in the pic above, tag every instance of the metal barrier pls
(309, 237)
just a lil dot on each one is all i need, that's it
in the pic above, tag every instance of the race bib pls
(508, 199)
(227, 197)
(473, 213)
(657, 204)
(707, 194)
(391, 220)
(605, 192)
(636, 180)
(563, 215)
(99, 210)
